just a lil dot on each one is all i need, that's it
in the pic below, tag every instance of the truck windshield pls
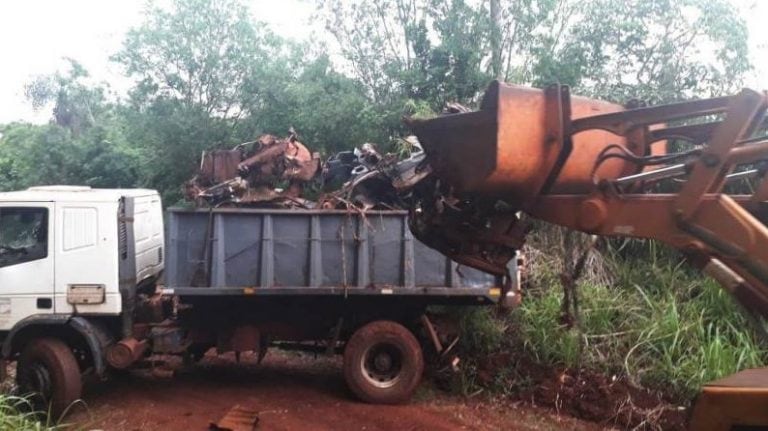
(23, 235)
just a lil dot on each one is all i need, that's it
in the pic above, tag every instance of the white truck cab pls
(60, 249)
(69, 255)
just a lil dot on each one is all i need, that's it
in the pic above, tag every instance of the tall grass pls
(662, 326)
(653, 319)
(16, 414)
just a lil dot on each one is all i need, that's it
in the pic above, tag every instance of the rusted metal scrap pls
(238, 418)
(373, 180)
(274, 172)
(269, 170)
(443, 220)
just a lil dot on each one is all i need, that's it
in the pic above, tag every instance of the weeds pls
(16, 413)
(672, 340)
(656, 321)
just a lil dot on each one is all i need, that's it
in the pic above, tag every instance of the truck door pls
(26, 261)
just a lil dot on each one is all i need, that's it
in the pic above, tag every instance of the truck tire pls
(383, 363)
(48, 371)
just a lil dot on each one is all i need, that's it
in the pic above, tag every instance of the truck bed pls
(235, 251)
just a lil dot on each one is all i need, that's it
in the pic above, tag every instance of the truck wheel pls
(383, 363)
(48, 371)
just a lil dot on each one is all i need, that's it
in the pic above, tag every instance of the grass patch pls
(663, 327)
(16, 414)
(657, 322)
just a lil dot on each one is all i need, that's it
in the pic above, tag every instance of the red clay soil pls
(589, 395)
(292, 392)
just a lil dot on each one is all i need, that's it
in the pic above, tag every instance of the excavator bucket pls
(507, 147)
(735, 403)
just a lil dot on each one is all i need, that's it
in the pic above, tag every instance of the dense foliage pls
(208, 74)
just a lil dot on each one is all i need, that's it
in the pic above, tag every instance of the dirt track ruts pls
(291, 392)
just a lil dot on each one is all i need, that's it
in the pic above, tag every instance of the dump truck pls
(94, 281)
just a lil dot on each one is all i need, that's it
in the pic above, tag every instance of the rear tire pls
(47, 371)
(383, 363)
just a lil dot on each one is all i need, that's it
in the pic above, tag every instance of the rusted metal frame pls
(748, 290)
(637, 141)
(740, 287)
(238, 418)
(742, 243)
(330, 350)
(566, 209)
(613, 217)
(432, 333)
(757, 146)
(753, 139)
(620, 122)
(558, 122)
(748, 153)
(743, 174)
(640, 137)
(631, 124)
(760, 120)
(654, 175)
(761, 194)
(753, 153)
(739, 155)
(736, 400)
(709, 170)
(694, 133)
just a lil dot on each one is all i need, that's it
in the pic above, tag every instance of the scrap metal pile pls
(273, 172)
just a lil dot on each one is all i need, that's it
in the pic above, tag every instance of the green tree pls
(198, 66)
(169, 138)
(329, 110)
(51, 154)
(433, 51)
(205, 53)
(657, 50)
(75, 103)
(402, 50)
(84, 144)
(210, 76)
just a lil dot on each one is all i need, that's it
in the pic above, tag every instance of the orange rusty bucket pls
(507, 148)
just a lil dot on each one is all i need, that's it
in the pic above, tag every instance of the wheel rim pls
(382, 365)
(35, 379)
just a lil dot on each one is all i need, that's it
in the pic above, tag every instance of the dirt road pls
(291, 392)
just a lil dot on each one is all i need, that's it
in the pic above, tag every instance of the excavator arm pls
(605, 169)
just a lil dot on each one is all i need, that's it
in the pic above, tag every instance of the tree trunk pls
(495, 39)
